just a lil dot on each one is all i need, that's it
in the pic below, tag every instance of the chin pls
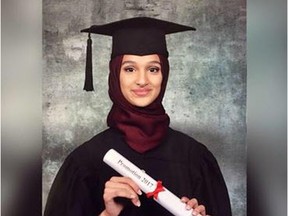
(141, 103)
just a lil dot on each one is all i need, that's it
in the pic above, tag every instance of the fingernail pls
(138, 203)
(188, 207)
(139, 192)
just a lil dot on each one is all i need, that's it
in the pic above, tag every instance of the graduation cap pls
(135, 36)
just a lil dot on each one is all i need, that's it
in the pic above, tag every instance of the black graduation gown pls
(185, 166)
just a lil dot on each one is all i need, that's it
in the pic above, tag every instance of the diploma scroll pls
(147, 184)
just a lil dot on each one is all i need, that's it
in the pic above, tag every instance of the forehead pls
(154, 58)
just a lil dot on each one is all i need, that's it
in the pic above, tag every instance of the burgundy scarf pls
(143, 128)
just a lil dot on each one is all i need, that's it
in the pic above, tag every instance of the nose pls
(142, 79)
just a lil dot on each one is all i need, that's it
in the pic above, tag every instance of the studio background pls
(206, 92)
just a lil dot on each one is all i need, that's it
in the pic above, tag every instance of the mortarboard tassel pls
(88, 86)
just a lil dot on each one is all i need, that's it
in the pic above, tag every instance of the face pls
(140, 79)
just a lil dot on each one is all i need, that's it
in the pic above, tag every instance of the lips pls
(141, 92)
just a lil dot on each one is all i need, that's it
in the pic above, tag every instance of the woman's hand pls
(198, 210)
(119, 187)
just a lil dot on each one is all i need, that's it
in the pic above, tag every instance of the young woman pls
(139, 130)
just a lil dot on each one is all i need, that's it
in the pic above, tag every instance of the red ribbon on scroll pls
(159, 188)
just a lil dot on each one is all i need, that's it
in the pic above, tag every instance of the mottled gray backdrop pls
(206, 93)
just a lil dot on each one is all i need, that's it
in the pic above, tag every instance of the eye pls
(154, 69)
(129, 69)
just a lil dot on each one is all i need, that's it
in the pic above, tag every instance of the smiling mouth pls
(141, 92)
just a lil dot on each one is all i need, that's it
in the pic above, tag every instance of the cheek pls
(157, 81)
(124, 82)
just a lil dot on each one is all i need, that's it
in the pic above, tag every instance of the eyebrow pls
(133, 62)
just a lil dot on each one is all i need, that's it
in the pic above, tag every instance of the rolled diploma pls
(147, 184)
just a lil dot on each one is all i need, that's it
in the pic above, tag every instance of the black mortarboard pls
(136, 36)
